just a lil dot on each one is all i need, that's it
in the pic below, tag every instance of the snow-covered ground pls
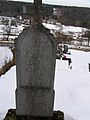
(7, 91)
(72, 88)
(5, 55)
(15, 31)
(64, 29)
(18, 28)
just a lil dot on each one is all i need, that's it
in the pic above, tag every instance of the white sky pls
(81, 3)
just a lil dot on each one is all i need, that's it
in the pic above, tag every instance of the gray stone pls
(35, 68)
(36, 59)
(35, 102)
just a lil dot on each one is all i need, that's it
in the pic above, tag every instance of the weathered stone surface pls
(35, 68)
(36, 102)
(35, 58)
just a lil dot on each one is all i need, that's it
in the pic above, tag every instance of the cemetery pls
(35, 57)
(35, 70)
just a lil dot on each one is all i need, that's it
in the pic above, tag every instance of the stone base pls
(11, 115)
(34, 102)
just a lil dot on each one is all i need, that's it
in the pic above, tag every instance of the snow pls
(7, 92)
(72, 29)
(5, 55)
(59, 27)
(63, 28)
(14, 30)
(72, 88)
(50, 26)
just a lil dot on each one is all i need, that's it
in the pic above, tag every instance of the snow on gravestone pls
(35, 68)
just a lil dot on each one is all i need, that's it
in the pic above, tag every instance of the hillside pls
(76, 16)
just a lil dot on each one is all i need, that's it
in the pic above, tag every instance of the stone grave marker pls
(35, 69)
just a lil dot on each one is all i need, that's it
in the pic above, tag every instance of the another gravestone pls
(35, 68)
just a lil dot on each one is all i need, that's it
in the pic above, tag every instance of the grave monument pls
(35, 68)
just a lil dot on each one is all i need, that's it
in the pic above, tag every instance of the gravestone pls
(35, 69)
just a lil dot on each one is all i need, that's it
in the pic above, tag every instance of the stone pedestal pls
(35, 68)
(11, 115)
(36, 102)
